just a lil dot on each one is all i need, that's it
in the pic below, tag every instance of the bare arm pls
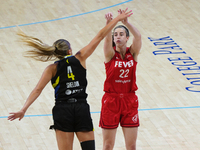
(85, 52)
(108, 49)
(48, 73)
(137, 40)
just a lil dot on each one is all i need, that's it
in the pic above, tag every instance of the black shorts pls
(72, 117)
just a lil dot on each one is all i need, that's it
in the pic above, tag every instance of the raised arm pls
(108, 48)
(46, 77)
(137, 40)
(85, 52)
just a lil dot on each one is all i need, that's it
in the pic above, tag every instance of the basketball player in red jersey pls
(120, 103)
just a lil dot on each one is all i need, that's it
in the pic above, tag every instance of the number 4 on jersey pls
(70, 73)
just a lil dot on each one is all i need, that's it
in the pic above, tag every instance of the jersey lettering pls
(121, 64)
(72, 84)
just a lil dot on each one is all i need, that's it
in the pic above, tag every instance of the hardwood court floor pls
(167, 73)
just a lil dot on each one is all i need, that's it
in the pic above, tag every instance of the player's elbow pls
(138, 37)
(101, 35)
(37, 90)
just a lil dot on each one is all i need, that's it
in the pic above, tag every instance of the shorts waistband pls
(71, 100)
(121, 94)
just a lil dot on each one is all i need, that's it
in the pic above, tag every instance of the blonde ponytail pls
(42, 51)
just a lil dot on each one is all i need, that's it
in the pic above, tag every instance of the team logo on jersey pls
(68, 92)
(128, 56)
(135, 118)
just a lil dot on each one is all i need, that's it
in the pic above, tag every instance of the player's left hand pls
(15, 115)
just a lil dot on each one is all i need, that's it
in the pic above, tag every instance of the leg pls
(85, 136)
(86, 139)
(64, 140)
(108, 138)
(130, 135)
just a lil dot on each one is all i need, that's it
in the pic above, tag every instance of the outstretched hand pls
(125, 20)
(15, 115)
(108, 17)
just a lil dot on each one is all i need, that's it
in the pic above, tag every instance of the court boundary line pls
(46, 21)
(147, 109)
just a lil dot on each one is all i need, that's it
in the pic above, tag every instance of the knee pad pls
(88, 145)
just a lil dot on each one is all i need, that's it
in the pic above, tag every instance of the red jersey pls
(121, 74)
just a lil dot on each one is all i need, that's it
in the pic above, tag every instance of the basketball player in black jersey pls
(71, 113)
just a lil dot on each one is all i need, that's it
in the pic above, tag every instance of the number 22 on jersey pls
(124, 73)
